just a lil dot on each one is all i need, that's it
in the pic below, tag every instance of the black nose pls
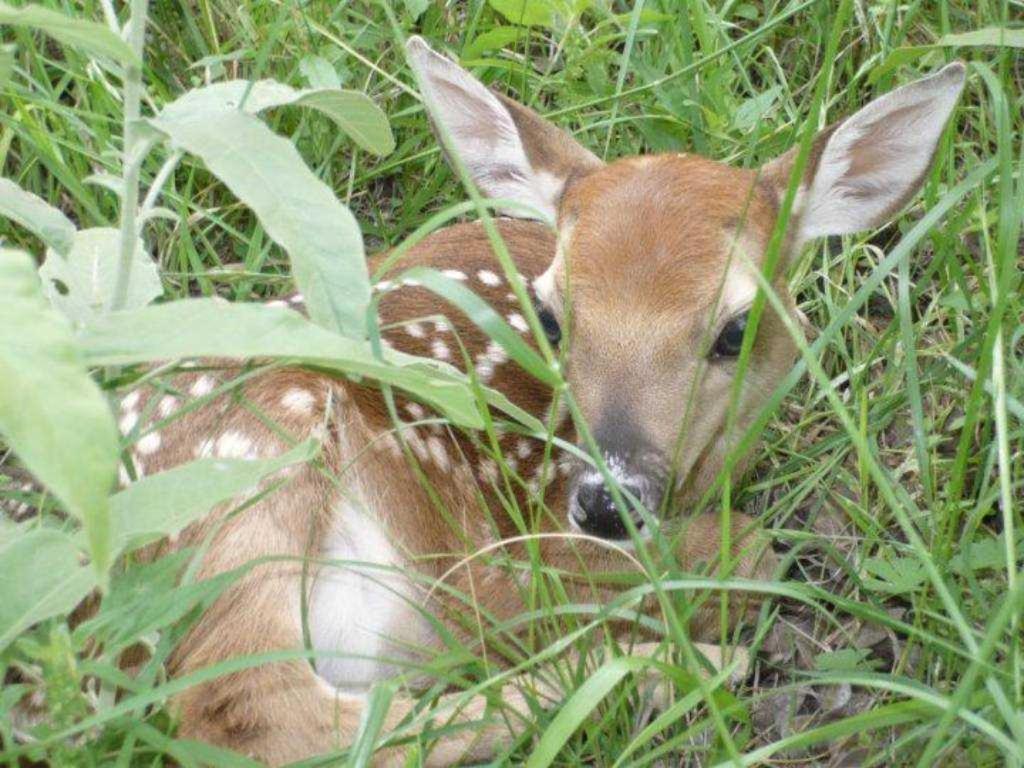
(595, 511)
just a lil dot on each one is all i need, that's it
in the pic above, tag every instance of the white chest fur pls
(363, 608)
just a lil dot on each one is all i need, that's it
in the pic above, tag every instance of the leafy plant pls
(891, 476)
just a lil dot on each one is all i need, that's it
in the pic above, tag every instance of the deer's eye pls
(550, 325)
(730, 339)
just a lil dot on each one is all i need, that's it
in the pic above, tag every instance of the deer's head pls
(654, 270)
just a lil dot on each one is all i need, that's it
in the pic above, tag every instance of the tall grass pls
(888, 466)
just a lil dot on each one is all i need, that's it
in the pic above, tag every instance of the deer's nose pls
(595, 512)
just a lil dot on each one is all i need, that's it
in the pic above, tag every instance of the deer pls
(641, 272)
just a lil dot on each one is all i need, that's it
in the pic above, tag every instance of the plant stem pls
(111, 16)
(131, 164)
(158, 183)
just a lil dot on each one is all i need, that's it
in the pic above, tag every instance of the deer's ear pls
(863, 170)
(509, 151)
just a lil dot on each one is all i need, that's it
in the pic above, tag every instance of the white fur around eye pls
(545, 285)
(738, 290)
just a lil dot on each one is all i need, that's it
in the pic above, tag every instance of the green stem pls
(131, 161)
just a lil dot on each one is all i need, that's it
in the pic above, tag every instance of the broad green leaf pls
(36, 215)
(88, 36)
(529, 13)
(210, 328)
(539, 13)
(986, 553)
(998, 37)
(296, 208)
(416, 8)
(164, 503)
(989, 37)
(844, 659)
(896, 577)
(41, 576)
(753, 110)
(352, 111)
(81, 285)
(647, 16)
(319, 72)
(355, 114)
(747, 11)
(493, 39)
(108, 181)
(52, 414)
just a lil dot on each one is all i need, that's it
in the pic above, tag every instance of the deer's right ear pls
(865, 169)
(508, 150)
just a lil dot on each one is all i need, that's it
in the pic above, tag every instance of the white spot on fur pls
(296, 299)
(130, 401)
(128, 422)
(387, 442)
(167, 406)
(415, 410)
(496, 352)
(415, 442)
(234, 445)
(441, 326)
(298, 400)
(487, 362)
(524, 448)
(484, 369)
(277, 304)
(440, 350)
(487, 277)
(385, 285)
(518, 322)
(148, 444)
(415, 330)
(202, 387)
(454, 274)
(204, 449)
(488, 471)
(438, 453)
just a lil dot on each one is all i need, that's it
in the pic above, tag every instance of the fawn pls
(641, 269)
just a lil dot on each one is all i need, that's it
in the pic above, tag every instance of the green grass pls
(890, 476)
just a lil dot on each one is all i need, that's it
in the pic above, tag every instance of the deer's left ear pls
(862, 171)
(508, 150)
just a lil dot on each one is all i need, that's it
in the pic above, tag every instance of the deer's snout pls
(592, 507)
